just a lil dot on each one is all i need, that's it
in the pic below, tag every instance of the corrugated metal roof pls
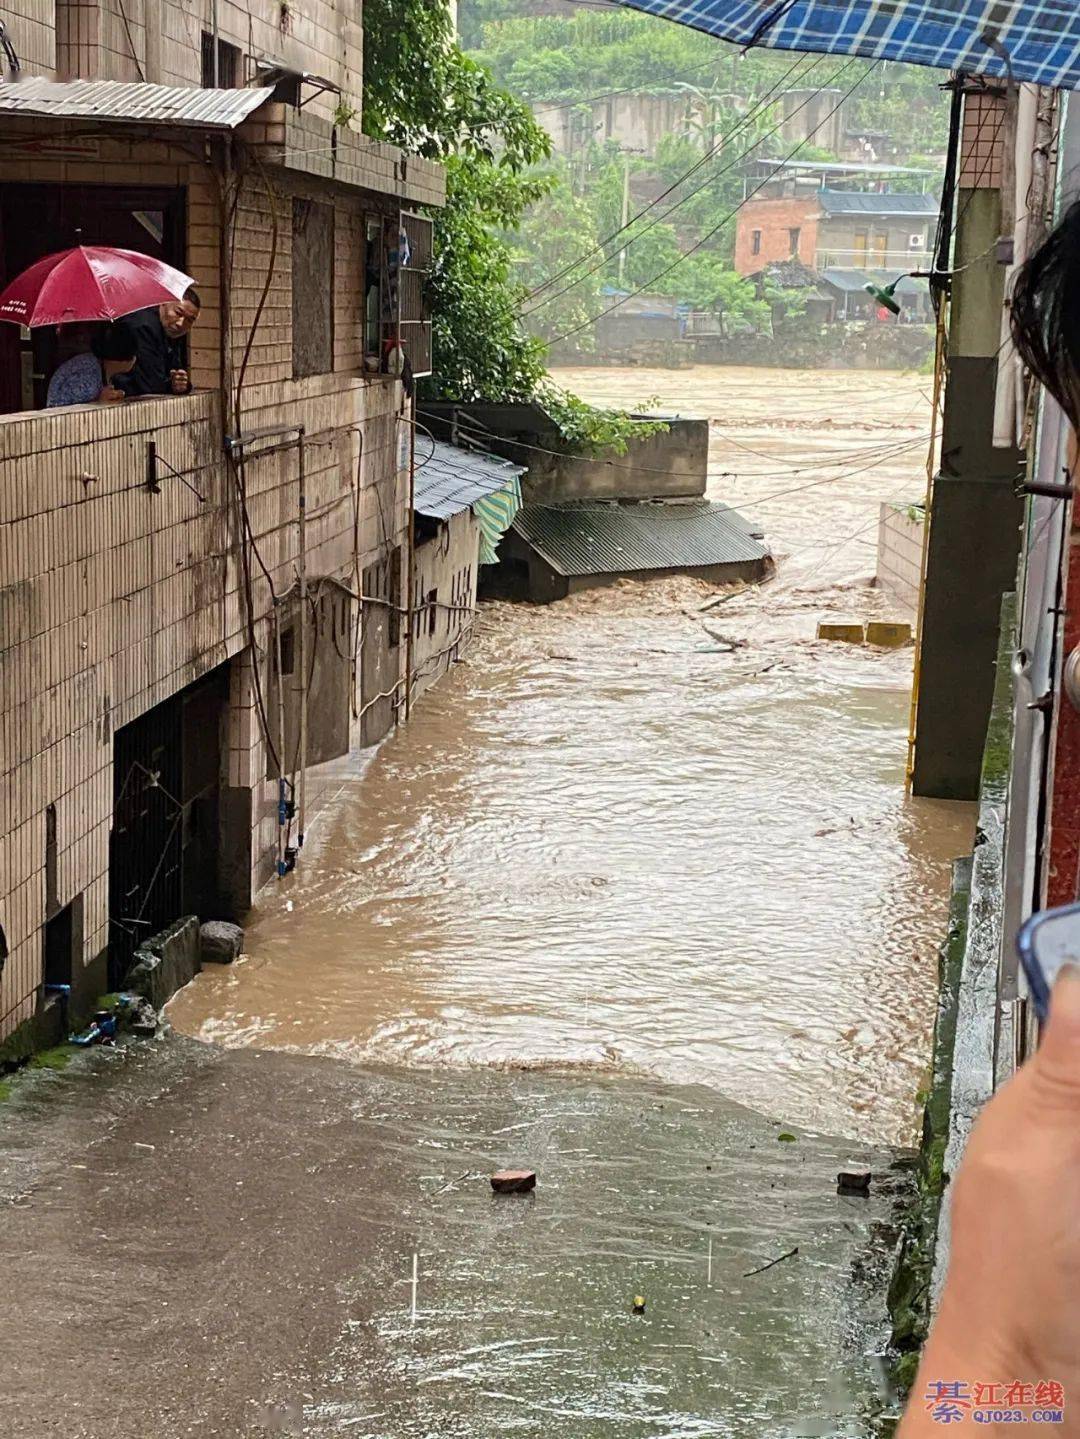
(849, 281)
(860, 202)
(116, 101)
(452, 479)
(599, 539)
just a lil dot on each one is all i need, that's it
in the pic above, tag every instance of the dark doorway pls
(164, 855)
(60, 945)
(36, 220)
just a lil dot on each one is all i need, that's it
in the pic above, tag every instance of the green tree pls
(423, 93)
(480, 348)
(558, 238)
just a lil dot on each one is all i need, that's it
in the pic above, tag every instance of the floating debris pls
(513, 1181)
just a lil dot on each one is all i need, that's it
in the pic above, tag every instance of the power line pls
(716, 228)
(885, 452)
(743, 122)
(724, 170)
(649, 86)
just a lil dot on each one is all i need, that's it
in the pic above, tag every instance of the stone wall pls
(672, 464)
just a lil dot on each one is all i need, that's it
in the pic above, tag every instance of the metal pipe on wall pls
(302, 573)
(410, 593)
(213, 44)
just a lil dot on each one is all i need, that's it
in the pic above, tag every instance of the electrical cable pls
(470, 428)
(718, 145)
(716, 228)
(704, 185)
(131, 40)
(650, 87)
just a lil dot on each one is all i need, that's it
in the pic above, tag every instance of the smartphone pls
(1047, 941)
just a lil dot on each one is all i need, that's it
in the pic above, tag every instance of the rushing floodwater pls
(610, 839)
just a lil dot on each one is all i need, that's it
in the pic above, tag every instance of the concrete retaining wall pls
(669, 465)
(899, 556)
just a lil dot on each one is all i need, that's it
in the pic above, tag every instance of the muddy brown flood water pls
(623, 903)
(604, 840)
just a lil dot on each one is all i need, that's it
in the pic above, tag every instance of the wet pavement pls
(639, 862)
(207, 1242)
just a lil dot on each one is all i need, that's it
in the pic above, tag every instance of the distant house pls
(637, 323)
(812, 214)
(853, 301)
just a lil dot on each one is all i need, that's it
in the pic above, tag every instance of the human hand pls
(110, 395)
(1010, 1310)
(179, 381)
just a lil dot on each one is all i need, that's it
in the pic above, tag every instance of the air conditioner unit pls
(916, 242)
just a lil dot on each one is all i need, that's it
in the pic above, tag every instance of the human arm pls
(1010, 1309)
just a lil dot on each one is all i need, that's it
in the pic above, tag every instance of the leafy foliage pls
(589, 431)
(422, 92)
(480, 349)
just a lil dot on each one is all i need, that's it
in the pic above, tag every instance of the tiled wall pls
(981, 148)
(112, 598)
(899, 555)
(161, 40)
(31, 29)
(449, 564)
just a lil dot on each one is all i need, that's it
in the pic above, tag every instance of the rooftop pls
(451, 479)
(849, 281)
(861, 202)
(595, 538)
(838, 167)
(119, 102)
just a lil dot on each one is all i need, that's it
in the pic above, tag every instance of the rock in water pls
(853, 1181)
(513, 1181)
(221, 942)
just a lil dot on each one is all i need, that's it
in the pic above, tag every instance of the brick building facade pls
(197, 592)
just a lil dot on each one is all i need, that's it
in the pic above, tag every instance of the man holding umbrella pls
(94, 283)
(160, 332)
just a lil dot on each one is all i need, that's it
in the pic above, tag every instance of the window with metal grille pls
(228, 64)
(413, 298)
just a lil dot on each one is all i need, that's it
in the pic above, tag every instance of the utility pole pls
(625, 218)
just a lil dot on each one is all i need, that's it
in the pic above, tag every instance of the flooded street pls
(637, 900)
(609, 839)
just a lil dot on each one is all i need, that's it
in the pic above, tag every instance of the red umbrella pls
(91, 282)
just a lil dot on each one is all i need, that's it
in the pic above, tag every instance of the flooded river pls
(610, 839)
(635, 899)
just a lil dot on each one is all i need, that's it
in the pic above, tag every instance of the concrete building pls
(831, 228)
(201, 596)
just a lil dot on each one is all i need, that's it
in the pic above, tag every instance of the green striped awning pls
(495, 514)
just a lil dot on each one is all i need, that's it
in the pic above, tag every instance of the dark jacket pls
(158, 354)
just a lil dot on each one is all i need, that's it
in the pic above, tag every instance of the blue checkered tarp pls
(1040, 38)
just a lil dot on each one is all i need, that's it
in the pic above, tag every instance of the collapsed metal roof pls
(118, 102)
(594, 539)
(450, 479)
